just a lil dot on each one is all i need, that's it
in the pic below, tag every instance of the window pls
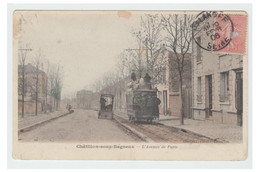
(164, 75)
(160, 96)
(199, 89)
(198, 49)
(161, 75)
(224, 86)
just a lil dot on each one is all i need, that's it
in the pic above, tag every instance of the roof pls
(142, 90)
(84, 92)
(29, 68)
(107, 95)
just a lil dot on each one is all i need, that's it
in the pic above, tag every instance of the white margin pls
(51, 164)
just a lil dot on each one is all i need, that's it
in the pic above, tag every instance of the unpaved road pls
(82, 125)
(161, 133)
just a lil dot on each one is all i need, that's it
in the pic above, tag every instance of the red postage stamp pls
(220, 32)
(238, 43)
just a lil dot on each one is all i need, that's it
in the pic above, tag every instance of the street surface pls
(161, 133)
(82, 125)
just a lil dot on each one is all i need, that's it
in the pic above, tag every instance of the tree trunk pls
(23, 92)
(54, 102)
(46, 94)
(50, 103)
(36, 105)
(57, 104)
(181, 99)
(22, 106)
(46, 100)
(36, 92)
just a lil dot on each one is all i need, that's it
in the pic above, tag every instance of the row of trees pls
(155, 34)
(33, 79)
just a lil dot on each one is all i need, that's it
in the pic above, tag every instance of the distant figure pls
(109, 107)
(156, 103)
(147, 78)
(133, 76)
(69, 107)
(103, 103)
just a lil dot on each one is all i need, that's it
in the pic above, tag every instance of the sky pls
(85, 43)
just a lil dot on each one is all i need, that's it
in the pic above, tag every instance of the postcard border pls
(125, 164)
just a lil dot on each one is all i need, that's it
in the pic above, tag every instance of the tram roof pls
(107, 95)
(143, 90)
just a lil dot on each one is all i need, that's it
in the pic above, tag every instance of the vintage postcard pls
(130, 85)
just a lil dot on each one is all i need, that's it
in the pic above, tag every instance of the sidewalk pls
(218, 131)
(121, 114)
(30, 120)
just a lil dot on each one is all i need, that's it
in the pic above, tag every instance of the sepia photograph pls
(130, 85)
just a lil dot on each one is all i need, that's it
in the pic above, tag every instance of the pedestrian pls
(103, 103)
(70, 107)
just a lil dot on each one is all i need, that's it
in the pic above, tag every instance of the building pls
(168, 85)
(166, 80)
(30, 89)
(119, 92)
(84, 99)
(217, 86)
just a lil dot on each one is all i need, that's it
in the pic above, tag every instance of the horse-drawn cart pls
(106, 106)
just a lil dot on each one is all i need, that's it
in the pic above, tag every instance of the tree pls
(22, 79)
(51, 84)
(150, 37)
(46, 69)
(54, 85)
(35, 81)
(179, 38)
(127, 63)
(97, 85)
(57, 87)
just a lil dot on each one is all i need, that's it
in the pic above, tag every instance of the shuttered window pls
(198, 49)
(224, 86)
(199, 89)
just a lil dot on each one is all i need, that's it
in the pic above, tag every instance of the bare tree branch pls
(179, 40)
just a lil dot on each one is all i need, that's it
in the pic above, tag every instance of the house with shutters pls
(217, 86)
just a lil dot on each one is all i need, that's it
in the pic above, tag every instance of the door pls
(165, 103)
(208, 98)
(239, 97)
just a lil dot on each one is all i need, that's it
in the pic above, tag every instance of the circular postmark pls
(212, 30)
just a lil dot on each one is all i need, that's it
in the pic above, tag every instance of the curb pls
(134, 131)
(146, 139)
(167, 119)
(25, 129)
(197, 134)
